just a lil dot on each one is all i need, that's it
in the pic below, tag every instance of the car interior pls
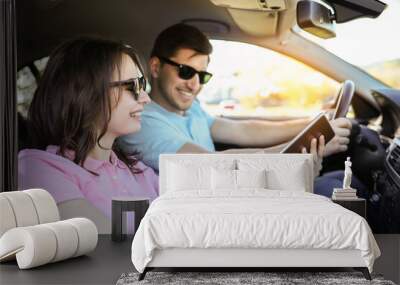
(42, 25)
(32, 29)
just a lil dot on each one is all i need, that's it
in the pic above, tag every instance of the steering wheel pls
(365, 149)
(343, 100)
(341, 107)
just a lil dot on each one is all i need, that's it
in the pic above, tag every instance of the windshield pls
(371, 44)
(262, 82)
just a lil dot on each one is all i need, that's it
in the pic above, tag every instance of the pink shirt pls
(65, 180)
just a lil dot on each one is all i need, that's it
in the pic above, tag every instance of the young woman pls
(92, 91)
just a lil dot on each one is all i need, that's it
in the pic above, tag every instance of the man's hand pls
(342, 129)
(317, 152)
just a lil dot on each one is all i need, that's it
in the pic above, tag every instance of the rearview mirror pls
(316, 19)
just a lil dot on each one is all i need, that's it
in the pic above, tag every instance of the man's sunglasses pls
(187, 72)
(134, 85)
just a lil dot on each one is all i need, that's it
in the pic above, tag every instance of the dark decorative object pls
(139, 205)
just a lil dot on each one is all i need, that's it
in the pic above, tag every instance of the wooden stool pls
(138, 205)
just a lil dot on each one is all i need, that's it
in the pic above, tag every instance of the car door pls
(8, 127)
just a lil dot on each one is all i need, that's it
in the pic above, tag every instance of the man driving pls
(174, 122)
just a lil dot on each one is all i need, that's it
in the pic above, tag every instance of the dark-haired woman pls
(91, 92)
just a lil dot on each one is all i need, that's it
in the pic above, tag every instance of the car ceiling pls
(43, 24)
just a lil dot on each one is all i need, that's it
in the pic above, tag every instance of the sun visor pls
(255, 17)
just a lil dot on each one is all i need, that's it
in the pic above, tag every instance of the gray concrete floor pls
(110, 259)
(389, 262)
(102, 266)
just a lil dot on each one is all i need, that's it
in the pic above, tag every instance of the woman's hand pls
(339, 143)
(317, 151)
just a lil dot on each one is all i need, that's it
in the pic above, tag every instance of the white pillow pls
(223, 179)
(188, 177)
(230, 180)
(251, 178)
(295, 180)
(282, 174)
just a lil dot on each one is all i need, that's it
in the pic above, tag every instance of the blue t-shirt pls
(166, 132)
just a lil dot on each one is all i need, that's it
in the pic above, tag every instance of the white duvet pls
(250, 219)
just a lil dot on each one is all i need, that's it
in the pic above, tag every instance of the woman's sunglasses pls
(187, 72)
(134, 85)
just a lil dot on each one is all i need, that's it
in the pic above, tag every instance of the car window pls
(375, 40)
(253, 81)
(26, 85)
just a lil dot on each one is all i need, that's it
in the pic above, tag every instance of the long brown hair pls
(72, 100)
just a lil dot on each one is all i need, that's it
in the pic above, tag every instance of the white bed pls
(215, 211)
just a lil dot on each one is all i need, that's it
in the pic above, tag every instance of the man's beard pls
(169, 99)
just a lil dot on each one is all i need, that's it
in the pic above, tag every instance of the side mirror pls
(316, 19)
